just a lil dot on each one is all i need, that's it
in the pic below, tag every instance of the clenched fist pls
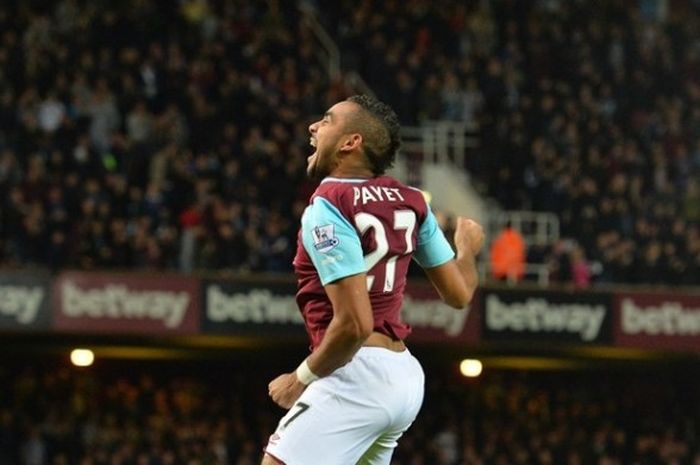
(469, 236)
(285, 389)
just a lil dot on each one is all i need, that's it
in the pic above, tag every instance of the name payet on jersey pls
(367, 194)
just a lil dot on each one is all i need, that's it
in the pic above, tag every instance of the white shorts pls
(355, 415)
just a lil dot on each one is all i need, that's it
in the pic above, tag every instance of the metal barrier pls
(534, 272)
(331, 52)
(537, 228)
(441, 141)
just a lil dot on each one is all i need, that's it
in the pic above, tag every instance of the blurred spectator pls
(580, 268)
(139, 124)
(691, 202)
(568, 264)
(507, 255)
(560, 262)
(104, 116)
(34, 451)
(51, 113)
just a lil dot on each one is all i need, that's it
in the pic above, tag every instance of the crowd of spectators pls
(184, 414)
(589, 110)
(155, 134)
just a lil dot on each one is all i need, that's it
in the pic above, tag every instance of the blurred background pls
(152, 178)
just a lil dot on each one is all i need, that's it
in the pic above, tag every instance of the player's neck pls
(351, 175)
(351, 170)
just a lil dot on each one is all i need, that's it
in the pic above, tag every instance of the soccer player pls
(352, 398)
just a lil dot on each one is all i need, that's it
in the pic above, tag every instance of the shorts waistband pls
(382, 352)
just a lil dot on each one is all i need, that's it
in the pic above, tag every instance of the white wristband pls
(304, 374)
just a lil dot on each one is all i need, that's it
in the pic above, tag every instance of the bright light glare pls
(471, 368)
(82, 357)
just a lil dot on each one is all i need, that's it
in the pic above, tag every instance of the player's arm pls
(457, 279)
(351, 325)
(335, 250)
(454, 277)
(334, 247)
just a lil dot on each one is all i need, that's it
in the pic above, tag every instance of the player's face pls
(326, 137)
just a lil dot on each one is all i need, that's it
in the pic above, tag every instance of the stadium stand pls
(131, 139)
(180, 415)
(159, 143)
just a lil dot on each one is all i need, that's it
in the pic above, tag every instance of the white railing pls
(357, 84)
(534, 272)
(441, 141)
(331, 53)
(537, 228)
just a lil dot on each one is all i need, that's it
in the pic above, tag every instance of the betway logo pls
(669, 318)
(433, 314)
(255, 306)
(539, 315)
(21, 302)
(117, 301)
(262, 306)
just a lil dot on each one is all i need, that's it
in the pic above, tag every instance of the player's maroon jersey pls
(385, 218)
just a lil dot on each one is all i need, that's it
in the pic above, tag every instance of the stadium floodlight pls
(82, 357)
(471, 368)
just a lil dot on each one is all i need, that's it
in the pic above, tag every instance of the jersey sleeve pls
(331, 241)
(432, 248)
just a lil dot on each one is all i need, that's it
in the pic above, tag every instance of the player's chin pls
(314, 174)
(312, 169)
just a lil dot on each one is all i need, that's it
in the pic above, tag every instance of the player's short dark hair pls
(380, 130)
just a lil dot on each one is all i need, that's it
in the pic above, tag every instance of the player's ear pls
(351, 142)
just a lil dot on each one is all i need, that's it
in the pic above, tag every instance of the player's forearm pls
(468, 238)
(342, 340)
(456, 280)
(466, 263)
(351, 325)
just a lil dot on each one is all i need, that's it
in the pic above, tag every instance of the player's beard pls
(319, 164)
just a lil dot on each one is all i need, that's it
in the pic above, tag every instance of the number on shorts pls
(302, 408)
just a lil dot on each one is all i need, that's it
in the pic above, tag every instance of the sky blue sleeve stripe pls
(432, 248)
(331, 241)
